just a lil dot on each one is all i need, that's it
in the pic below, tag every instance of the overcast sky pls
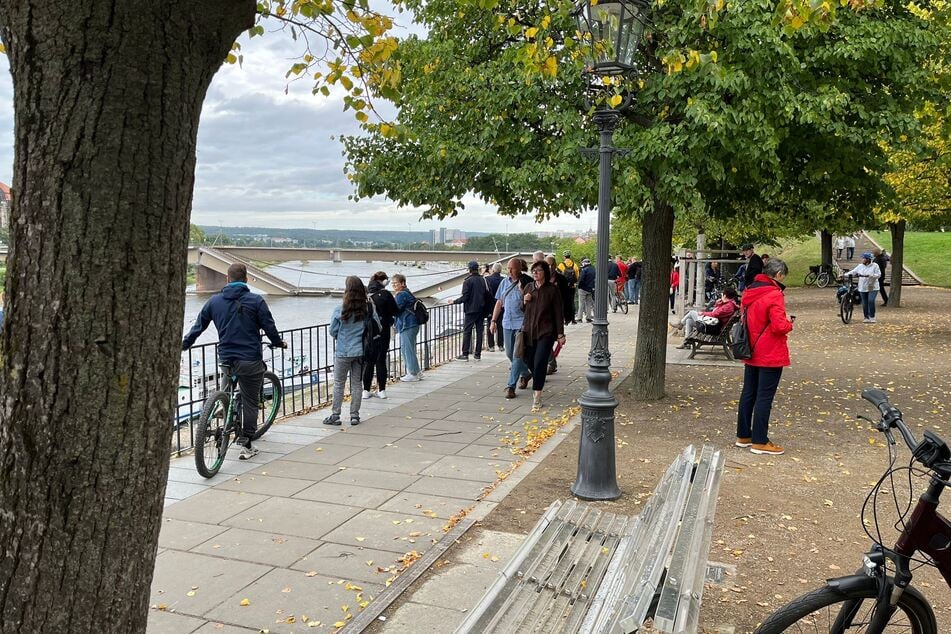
(266, 158)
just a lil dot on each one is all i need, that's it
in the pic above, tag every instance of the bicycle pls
(822, 275)
(221, 417)
(848, 296)
(617, 300)
(872, 599)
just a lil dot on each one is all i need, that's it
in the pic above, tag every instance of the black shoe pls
(462, 357)
(354, 420)
(333, 419)
(477, 357)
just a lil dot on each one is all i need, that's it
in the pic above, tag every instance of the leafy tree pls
(196, 235)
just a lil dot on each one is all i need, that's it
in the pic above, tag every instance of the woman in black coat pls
(387, 310)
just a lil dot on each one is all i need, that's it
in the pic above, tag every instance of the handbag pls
(518, 351)
(740, 344)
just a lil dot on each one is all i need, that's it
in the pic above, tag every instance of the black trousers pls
(881, 290)
(537, 354)
(476, 321)
(378, 363)
(250, 379)
(756, 403)
(569, 303)
(497, 340)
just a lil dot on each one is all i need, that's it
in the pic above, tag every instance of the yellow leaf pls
(530, 33)
(340, 623)
(615, 100)
(551, 66)
(245, 602)
(360, 539)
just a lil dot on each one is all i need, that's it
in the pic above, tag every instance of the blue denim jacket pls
(348, 333)
(406, 318)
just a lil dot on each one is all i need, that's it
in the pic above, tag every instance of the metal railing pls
(305, 368)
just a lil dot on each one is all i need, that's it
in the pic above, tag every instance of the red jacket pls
(622, 267)
(674, 279)
(766, 320)
(722, 310)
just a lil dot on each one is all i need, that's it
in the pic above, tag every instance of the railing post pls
(427, 361)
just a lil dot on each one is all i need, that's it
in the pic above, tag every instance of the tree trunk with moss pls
(107, 97)
(825, 240)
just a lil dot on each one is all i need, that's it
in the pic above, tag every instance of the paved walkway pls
(315, 526)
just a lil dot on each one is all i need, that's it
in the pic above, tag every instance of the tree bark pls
(107, 97)
(898, 257)
(650, 355)
(825, 239)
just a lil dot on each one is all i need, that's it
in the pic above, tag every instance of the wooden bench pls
(584, 570)
(719, 341)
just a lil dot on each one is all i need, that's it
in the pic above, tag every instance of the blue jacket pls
(405, 319)
(349, 332)
(239, 317)
(586, 278)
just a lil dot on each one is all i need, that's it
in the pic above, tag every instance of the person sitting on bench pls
(695, 321)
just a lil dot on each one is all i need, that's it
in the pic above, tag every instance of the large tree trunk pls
(650, 356)
(898, 257)
(107, 97)
(825, 239)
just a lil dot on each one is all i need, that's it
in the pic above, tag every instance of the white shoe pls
(409, 378)
(367, 394)
(381, 394)
(871, 320)
(866, 321)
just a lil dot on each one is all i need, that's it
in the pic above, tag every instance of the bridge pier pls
(208, 280)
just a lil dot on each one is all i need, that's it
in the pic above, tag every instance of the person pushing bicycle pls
(240, 316)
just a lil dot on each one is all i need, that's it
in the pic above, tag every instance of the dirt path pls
(786, 523)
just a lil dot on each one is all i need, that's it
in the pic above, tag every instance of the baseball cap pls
(585, 261)
(748, 246)
(866, 256)
(473, 265)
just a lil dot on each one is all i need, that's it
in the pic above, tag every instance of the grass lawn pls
(928, 254)
(798, 255)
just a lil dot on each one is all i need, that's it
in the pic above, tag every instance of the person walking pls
(407, 326)
(494, 340)
(881, 259)
(561, 283)
(509, 312)
(586, 281)
(542, 326)
(849, 247)
(869, 275)
(570, 271)
(839, 247)
(674, 286)
(768, 328)
(634, 280)
(348, 325)
(474, 299)
(239, 316)
(386, 310)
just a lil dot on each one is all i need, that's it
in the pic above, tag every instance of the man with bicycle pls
(240, 316)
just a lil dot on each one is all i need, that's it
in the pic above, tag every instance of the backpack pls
(570, 273)
(372, 331)
(740, 344)
(420, 311)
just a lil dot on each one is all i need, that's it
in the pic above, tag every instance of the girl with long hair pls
(348, 324)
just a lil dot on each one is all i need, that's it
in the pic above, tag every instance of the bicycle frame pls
(927, 531)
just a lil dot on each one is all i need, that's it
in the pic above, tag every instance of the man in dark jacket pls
(566, 292)
(474, 298)
(754, 263)
(882, 260)
(240, 316)
(494, 280)
(586, 291)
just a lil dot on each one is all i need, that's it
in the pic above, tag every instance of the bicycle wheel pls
(810, 278)
(612, 301)
(845, 309)
(622, 304)
(212, 434)
(832, 609)
(823, 279)
(269, 403)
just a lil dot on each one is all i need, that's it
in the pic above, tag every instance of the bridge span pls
(286, 254)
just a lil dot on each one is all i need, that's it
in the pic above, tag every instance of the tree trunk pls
(898, 257)
(650, 356)
(107, 97)
(825, 239)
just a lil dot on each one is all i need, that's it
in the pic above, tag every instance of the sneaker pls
(769, 449)
(409, 378)
(743, 443)
(462, 357)
(866, 321)
(367, 394)
(477, 357)
(523, 382)
(381, 394)
(682, 346)
(871, 320)
(354, 420)
(333, 419)
(490, 350)
(510, 392)
(673, 312)
(247, 452)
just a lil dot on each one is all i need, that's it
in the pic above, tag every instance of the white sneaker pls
(866, 321)
(381, 394)
(871, 320)
(409, 378)
(367, 394)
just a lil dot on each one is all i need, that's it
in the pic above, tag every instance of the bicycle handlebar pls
(932, 451)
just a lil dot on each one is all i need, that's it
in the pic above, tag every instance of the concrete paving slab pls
(182, 490)
(489, 414)
(349, 563)
(297, 428)
(372, 479)
(300, 470)
(498, 452)
(432, 447)
(264, 484)
(165, 622)
(425, 505)
(335, 493)
(448, 424)
(235, 467)
(257, 547)
(222, 628)
(391, 459)
(301, 518)
(465, 468)
(464, 437)
(323, 453)
(281, 436)
(423, 619)
(186, 535)
(462, 585)
(382, 428)
(271, 446)
(191, 476)
(378, 530)
(213, 580)
(447, 487)
(355, 440)
(496, 543)
(213, 506)
(283, 593)
(263, 456)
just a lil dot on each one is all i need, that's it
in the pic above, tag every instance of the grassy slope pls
(926, 253)
(798, 256)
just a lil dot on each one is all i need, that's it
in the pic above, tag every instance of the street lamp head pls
(615, 29)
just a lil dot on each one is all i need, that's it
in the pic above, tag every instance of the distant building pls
(4, 205)
(447, 236)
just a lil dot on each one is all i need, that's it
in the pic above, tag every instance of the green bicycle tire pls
(269, 405)
(214, 425)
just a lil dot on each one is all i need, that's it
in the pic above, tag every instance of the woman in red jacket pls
(768, 328)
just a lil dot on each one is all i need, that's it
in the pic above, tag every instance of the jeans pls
(519, 369)
(868, 303)
(473, 321)
(408, 349)
(633, 291)
(849, 253)
(881, 289)
(838, 255)
(537, 354)
(690, 323)
(756, 403)
(585, 305)
(378, 363)
(250, 379)
(344, 367)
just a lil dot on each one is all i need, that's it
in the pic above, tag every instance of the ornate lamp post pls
(615, 30)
